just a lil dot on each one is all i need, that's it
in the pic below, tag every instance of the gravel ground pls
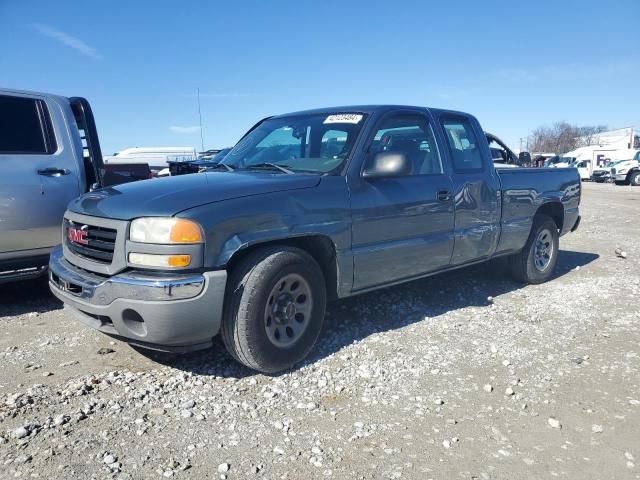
(465, 375)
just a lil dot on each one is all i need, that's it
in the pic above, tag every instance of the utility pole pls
(200, 116)
(524, 141)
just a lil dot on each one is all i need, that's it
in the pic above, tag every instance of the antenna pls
(200, 116)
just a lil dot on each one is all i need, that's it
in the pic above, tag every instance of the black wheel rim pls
(288, 310)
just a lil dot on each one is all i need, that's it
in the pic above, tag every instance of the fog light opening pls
(134, 322)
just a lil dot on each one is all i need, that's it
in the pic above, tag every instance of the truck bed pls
(524, 190)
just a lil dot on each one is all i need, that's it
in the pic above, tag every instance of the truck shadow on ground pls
(27, 296)
(353, 319)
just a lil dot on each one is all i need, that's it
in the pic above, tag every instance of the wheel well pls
(321, 248)
(555, 210)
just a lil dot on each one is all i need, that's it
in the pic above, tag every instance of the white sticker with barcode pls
(343, 118)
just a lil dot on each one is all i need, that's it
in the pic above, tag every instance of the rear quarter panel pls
(524, 191)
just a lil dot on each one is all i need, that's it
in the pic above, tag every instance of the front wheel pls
(536, 262)
(634, 179)
(274, 308)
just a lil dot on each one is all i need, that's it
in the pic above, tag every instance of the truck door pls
(402, 226)
(38, 173)
(584, 169)
(476, 189)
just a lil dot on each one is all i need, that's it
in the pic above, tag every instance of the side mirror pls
(388, 164)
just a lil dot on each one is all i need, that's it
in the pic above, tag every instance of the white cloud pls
(68, 40)
(190, 129)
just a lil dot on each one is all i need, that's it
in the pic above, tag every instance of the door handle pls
(444, 195)
(53, 172)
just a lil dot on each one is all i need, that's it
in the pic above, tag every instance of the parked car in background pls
(627, 172)
(559, 161)
(117, 173)
(603, 174)
(308, 206)
(158, 158)
(539, 159)
(199, 165)
(49, 155)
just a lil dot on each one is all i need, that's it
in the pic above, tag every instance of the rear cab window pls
(25, 127)
(466, 156)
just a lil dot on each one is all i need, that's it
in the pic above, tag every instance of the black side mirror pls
(388, 164)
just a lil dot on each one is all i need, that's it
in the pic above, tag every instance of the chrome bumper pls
(99, 290)
(176, 313)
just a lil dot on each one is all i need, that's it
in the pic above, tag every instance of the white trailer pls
(604, 147)
(157, 158)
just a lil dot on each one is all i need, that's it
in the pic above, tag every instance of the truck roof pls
(366, 109)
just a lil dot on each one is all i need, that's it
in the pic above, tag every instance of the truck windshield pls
(314, 143)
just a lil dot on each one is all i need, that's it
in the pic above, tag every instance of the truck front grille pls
(91, 242)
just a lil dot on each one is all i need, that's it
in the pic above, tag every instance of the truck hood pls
(171, 195)
(627, 164)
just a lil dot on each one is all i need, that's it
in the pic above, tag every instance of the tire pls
(634, 179)
(529, 267)
(267, 325)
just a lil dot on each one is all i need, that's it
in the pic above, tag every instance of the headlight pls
(165, 230)
(622, 170)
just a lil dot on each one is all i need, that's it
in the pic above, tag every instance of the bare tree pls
(562, 137)
(589, 135)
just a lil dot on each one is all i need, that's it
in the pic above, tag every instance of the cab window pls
(463, 145)
(25, 126)
(412, 135)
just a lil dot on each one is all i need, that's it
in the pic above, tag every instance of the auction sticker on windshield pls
(343, 118)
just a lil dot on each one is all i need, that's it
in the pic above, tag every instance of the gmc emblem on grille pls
(78, 235)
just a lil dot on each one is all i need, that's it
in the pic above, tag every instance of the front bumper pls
(620, 177)
(178, 313)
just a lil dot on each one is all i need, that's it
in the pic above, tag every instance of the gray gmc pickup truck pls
(307, 207)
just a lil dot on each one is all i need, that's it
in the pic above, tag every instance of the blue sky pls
(515, 65)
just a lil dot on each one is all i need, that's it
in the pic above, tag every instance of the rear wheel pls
(274, 308)
(536, 262)
(634, 179)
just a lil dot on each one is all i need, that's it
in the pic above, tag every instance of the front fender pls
(236, 224)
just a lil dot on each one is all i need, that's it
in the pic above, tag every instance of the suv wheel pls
(274, 308)
(536, 262)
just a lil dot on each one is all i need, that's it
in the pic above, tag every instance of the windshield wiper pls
(229, 168)
(273, 166)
